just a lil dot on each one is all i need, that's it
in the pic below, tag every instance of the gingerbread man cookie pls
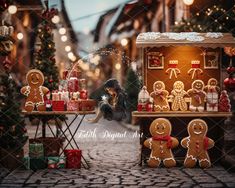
(212, 96)
(159, 96)
(179, 93)
(197, 96)
(197, 144)
(161, 143)
(34, 91)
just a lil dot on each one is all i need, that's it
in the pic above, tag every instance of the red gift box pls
(87, 105)
(58, 105)
(72, 105)
(73, 85)
(73, 158)
(74, 73)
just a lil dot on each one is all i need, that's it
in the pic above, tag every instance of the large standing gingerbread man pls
(197, 144)
(34, 91)
(197, 96)
(161, 143)
(159, 96)
(179, 93)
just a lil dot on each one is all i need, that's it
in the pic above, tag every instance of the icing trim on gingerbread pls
(27, 91)
(29, 103)
(150, 143)
(191, 156)
(198, 120)
(35, 70)
(166, 159)
(156, 158)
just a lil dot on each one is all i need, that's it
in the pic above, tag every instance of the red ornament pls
(230, 83)
(230, 70)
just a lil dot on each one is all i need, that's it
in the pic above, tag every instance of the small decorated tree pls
(224, 102)
(12, 126)
(45, 60)
(132, 87)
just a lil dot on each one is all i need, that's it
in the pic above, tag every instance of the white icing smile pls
(159, 132)
(34, 82)
(197, 132)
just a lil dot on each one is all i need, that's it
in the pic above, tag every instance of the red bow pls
(212, 89)
(164, 138)
(198, 96)
(160, 94)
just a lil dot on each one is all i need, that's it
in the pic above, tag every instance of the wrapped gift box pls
(58, 106)
(51, 145)
(73, 158)
(35, 163)
(36, 149)
(56, 96)
(56, 162)
(73, 85)
(72, 105)
(212, 101)
(87, 105)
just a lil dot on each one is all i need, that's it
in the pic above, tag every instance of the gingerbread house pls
(185, 58)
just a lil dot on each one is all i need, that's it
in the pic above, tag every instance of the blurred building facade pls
(25, 22)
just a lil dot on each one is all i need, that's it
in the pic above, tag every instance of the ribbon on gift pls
(166, 138)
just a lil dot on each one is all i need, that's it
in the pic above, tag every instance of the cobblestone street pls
(114, 163)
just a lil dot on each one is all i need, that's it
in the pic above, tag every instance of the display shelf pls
(137, 114)
(58, 112)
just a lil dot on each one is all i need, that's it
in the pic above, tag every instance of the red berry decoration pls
(224, 102)
(230, 83)
(230, 70)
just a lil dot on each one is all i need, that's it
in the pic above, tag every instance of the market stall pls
(182, 78)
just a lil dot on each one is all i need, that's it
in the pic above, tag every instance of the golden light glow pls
(188, 2)
(20, 36)
(118, 66)
(12, 9)
(67, 48)
(62, 31)
(124, 42)
(55, 19)
(64, 38)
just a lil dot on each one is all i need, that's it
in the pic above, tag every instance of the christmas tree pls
(213, 19)
(12, 126)
(224, 102)
(132, 87)
(45, 60)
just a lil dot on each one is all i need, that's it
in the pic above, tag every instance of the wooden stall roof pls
(207, 40)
